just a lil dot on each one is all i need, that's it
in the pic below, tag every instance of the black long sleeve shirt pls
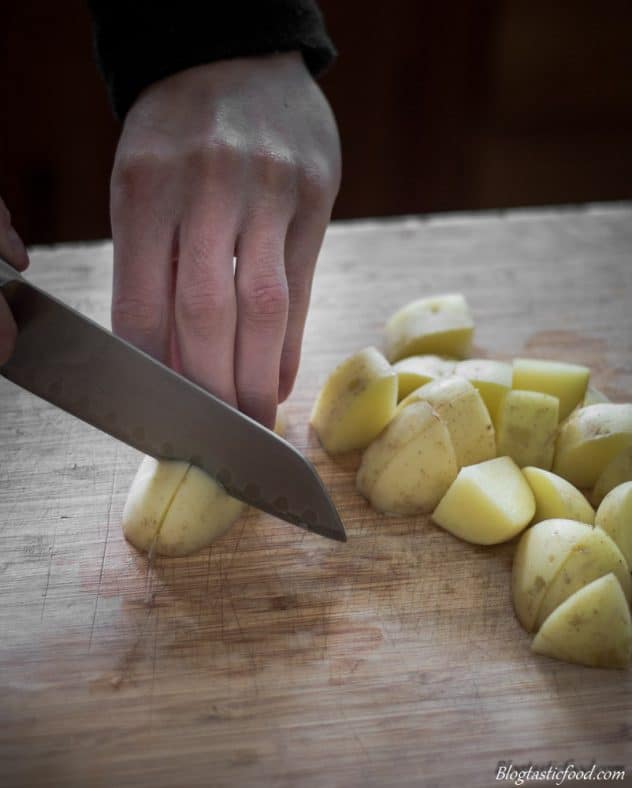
(139, 42)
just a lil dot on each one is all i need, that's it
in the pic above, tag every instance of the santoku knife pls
(70, 361)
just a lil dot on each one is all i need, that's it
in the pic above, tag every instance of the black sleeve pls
(139, 41)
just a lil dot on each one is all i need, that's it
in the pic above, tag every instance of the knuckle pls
(276, 169)
(136, 316)
(201, 306)
(265, 300)
(137, 173)
(213, 158)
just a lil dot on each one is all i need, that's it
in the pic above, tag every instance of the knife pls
(70, 361)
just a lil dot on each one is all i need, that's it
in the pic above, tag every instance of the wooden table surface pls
(277, 658)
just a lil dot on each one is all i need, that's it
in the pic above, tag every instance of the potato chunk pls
(567, 382)
(410, 465)
(594, 556)
(414, 371)
(616, 472)
(356, 402)
(592, 627)
(487, 503)
(441, 324)
(589, 439)
(541, 552)
(462, 409)
(555, 498)
(491, 378)
(526, 427)
(614, 516)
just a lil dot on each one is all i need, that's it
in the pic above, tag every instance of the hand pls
(12, 251)
(239, 158)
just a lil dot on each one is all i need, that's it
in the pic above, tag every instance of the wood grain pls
(277, 658)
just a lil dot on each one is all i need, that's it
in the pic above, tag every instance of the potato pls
(555, 498)
(410, 465)
(593, 397)
(567, 382)
(148, 500)
(487, 503)
(616, 472)
(491, 378)
(592, 627)
(414, 371)
(440, 324)
(589, 439)
(592, 557)
(356, 402)
(540, 554)
(200, 512)
(462, 409)
(526, 427)
(614, 516)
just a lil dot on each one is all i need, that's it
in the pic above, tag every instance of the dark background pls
(441, 106)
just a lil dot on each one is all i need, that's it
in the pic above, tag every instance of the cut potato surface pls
(617, 471)
(594, 556)
(567, 382)
(440, 324)
(487, 503)
(491, 378)
(356, 402)
(526, 427)
(614, 516)
(592, 627)
(414, 371)
(462, 409)
(541, 552)
(589, 439)
(410, 465)
(557, 498)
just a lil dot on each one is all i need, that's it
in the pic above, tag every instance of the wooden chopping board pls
(277, 658)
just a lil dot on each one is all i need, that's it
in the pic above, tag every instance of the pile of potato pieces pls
(490, 449)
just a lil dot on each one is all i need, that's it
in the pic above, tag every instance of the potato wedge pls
(567, 382)
(589, 439)
(594, 556)
(526, 427)
(356, 402)
(440, 324)
(487, 503)
(541, 552)
(555, 498)
(592, 627)
(410, 465)
(462, 409)
(614, 516)
(491, 378)
(617, 471)
(415, 371)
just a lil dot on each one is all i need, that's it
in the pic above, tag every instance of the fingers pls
(11, 247)
(205, 304)
(262, 308)
(8, 332)
(143, 230)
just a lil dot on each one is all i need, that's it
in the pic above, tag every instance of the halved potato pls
(440, 324)
(526, 427)
(567, 382)
(555, 498)
(356, 402)
(414, 371)
(617, 471)
(410, 465)
(541, 552)
(594, 556)
(491, 378)
(592, 627)
(462, 409)
(614, 516)
(150, 495)
(589, 439)
(487, 503)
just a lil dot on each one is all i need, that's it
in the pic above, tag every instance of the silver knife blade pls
(75, 364)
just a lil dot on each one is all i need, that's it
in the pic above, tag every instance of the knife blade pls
(75, 364)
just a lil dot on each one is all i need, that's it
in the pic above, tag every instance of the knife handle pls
(8, 273)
